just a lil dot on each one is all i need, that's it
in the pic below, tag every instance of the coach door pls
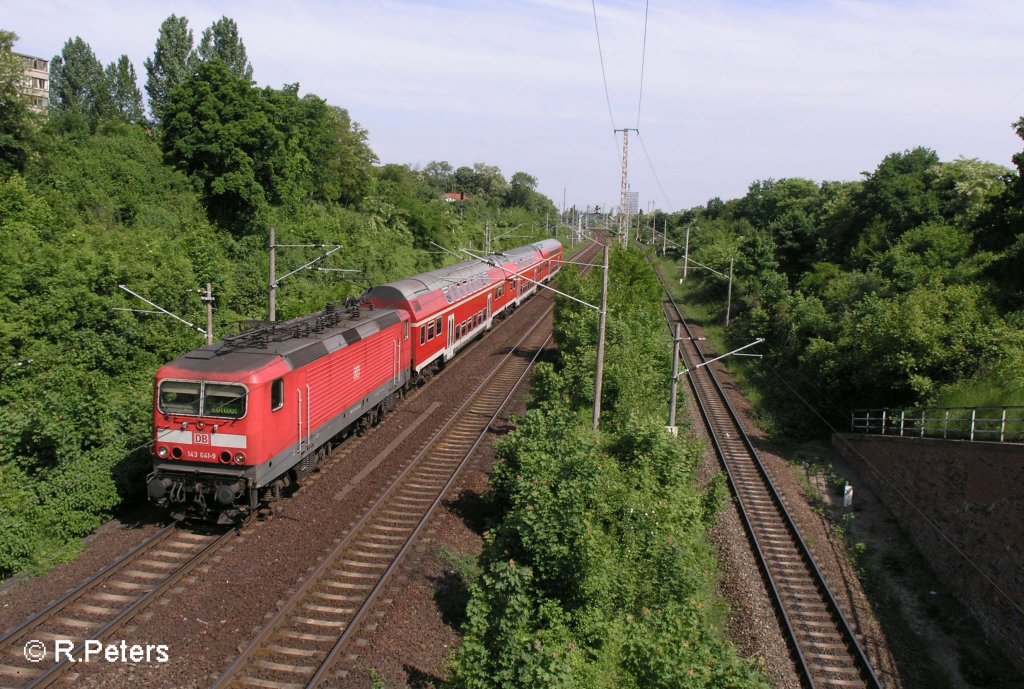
(451, 333)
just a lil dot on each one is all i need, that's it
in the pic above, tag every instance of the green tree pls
(170, 65)
(124, 90)
(340, 159)
(216, 130)
(521, 190)
(222, 42)
(78, 84)
(899, 195)
(439, 174)
(1002, 231)
(789, 210)
(15, 120)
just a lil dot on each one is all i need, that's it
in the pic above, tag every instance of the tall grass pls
(982, 391)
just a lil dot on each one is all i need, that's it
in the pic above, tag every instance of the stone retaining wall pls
(962, 504)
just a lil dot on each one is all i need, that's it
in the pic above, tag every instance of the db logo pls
(201, 438)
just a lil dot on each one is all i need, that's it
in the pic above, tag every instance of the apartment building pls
(36, 83)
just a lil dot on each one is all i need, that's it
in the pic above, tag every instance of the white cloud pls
(733, 91)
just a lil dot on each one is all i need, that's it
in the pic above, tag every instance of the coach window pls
(437, 325)
(423, 336)
(405, 331)
(430, 330)
(277, 394)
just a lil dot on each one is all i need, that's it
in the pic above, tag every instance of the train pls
(240, 422)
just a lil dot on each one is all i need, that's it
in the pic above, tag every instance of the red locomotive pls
(238, 421)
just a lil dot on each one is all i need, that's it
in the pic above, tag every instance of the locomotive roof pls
(425, 283)
(299, 341)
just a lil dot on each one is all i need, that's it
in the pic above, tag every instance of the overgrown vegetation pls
(93, 196)
(599, 573)
(901, 289)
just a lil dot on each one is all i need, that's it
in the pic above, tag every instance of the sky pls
(733, 91)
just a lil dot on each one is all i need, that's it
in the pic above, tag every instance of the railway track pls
(827, 651)
(300, 645)
(310, 638)
(102, 604)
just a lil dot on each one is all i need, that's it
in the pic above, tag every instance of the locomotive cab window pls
(179, 397)
(277, 394)
(227, 401)
(193, 398)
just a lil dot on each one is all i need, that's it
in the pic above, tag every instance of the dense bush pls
(599, 572)
(89, 202)
(893, 291)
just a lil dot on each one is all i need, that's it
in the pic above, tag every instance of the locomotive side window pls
(227, 401)
(277, 394)
(179, 397)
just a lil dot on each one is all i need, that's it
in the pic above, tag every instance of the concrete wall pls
(974, 493)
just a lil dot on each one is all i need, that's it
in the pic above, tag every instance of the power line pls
(604, 77)
(649, 163)
(643, 60)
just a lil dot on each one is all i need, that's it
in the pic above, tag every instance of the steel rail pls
(858, 655)
(347, 621)
(364, 609)
(105, 628)
(16, 633)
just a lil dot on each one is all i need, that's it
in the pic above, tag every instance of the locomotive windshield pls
(227, 401)
(179, 397)
(193, 398)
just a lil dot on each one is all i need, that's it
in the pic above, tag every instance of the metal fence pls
(991, 424)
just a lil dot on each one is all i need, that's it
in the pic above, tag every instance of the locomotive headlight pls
(162, 452)
(239, 458)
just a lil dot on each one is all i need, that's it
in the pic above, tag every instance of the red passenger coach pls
(238, 421)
